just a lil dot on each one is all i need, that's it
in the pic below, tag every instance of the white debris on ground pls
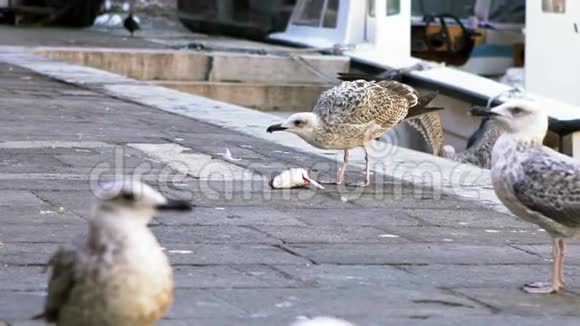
(321, 321)
(293, 178)
(180, 251)
(228, 156)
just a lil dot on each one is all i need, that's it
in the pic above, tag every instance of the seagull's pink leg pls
(562, 247)
(367, 172)
(342, 170)
(557, 273)
(368, 169)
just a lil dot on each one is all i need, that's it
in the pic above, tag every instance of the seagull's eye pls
(127, 196)
(517, 111)
(298, 123)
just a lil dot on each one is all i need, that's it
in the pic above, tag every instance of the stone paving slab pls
(249, 255)
(18, 198)
(224, 254)
(231, 234)
(20, 305)
(50, 233)
(518, 303)
(367, 217)
(471, 235)
(23, 278)
(330, 234)
(401, 302)
(507, 276)
(414, 253)
(234, 276)
(456, 217)
(42, 214)
(232, 216)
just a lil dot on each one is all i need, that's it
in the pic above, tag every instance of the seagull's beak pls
(276, 127)
(481, 111)
(312, 181)
(175, 205)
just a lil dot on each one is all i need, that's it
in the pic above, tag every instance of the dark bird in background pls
(478, 133)
(130, 23)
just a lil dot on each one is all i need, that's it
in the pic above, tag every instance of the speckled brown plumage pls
(428, 125)
(430, 128)
(356, 112)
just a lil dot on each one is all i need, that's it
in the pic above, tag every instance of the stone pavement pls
(395, 253)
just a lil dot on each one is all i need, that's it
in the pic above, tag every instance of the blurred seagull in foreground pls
(353, 114)
(535, 182)
(118, 274)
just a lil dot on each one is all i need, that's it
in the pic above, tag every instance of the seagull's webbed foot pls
(557, 273)
(541, 288)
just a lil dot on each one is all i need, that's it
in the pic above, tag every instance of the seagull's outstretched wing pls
(429, 127)
(385, 103)
(61, 282)
(550, 185)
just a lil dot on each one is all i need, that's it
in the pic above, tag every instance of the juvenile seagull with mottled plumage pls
(353, 114)
(479, 151)
(118, 274)
(535, 182)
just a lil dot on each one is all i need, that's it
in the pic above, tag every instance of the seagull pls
(118, 274)
(353, 114)
(480, 146)
(535, 182)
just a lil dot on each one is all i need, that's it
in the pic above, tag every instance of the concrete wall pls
(198, 66)
(553, 52)
(266, 97)
(137, 64)
(263, 82)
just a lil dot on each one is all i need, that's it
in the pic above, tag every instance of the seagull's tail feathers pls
(420, 106)
(351, 76)
(391, 74)
(429, 127)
